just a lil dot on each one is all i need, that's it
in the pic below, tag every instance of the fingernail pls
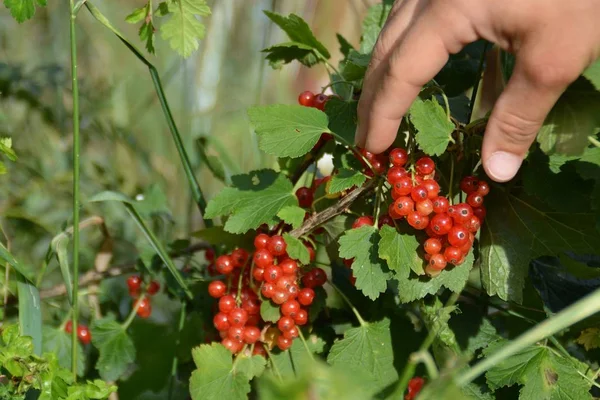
(359, 137)
(502, 166)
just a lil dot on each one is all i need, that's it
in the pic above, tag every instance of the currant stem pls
(238, 297)
(133, 312)
(273, 365)
(425, 357)
(349, 303)
(477, 79)
(377, 202)
(451, 181)
(301, 336)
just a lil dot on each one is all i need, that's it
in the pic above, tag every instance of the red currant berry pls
(362, 221)
(403, 206)
(226, 303)
(288, 266)
(475, 199)
(469, 184)
(441, 224)
(452, 255)
(268, 290)
(216, 289)
(237, 317)
(251, 305)
(69, 326)
(285, 323)
(144, 308)
(430, 233)
(398, 157)
(403, 186)
(417, 220)
(306, 98)
(425, 166)
(306, 296)
(209, 255)
(153, 288)
(301, 317)
(272, 273)
(224, 265)
(319, 101)
(419, 193)
(311, 251)
(308, 280)
(83, 334)
(290, 308)
(260, 241)
(263, 258)
(251, 334)
(305, 197)
(424, 207)
(134, 282)
(232, 345)
(432, 246)
(258, 274)
(280, 296)
(466, 247)
(480, 213)
(474, 224)
(283, 343)
(236, 333)
(483, 188)
(292, 333)
(458, 235)
(239, 257)
(284, 282)
(437, 262)
(259, 350)
(433, 188)
(395, 173)
(393, 213)
(385, 219)
(378, 166)
(320, 277)
(293, 291)
(414, 387)
(440, 205)
(277, 245)
(462, 213)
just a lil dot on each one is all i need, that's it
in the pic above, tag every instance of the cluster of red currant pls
(83, 333)
(274, 275)
(144, 307)
(451, 228)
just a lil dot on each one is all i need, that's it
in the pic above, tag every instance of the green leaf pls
(296, 249)
(269, 311)
(344, 180)
(517, 230)
(343, 117)
(298, 31)
(137, 15)
(22, 10)
(116, 348)
(297, 360)
(336, 227)
(593, 74)
(7, 257)
(183, 30)
(371, 273)
(6, 148)
(400, 251)
(589, 338)
(285, 53)
(30, 313)
(452, 278)
(345, 45)
(572, 119)
(434, 129)
(372, 24)
(58, 341)
(367, 349)
(216, 235)
(255, 199)
(217, 378)
(146, 34)
(287, 130)
(543, 373)
(487, 334)
(355, 66)
(292, 215)
(436, 318)
(60, 245)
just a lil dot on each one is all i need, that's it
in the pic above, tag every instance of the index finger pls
(439, 31)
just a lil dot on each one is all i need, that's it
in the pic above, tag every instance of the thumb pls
(530, 94)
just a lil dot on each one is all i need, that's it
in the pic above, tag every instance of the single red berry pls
(311, 251)
(284, 282)
(362, 221)
(433, 188)
(236, 333)
(237, 317)
(224, 265)
(280, 296)
(259, 350)
(292, 333)
(251, 305)
(403, 206)
(465, 248)
(277, 245)
(441, 224)
(272, 273)
(480, 213)
(239, 257)
(458, 235)
(475, 199)
(251, 334)
(233, 346)
(285, 323)
(290, 308)
(263, 258)
(483, 188)
(153, 288)
(301, 317)
(283, 343)
(258, 274)
(305, 197)
(395, 173)
(440, 205)
(437, 262)
(417, 220)
(268, 290)
(462, 213)
(288, 266)
(424, 207)
(293, 291)
(83, 334)
(419, 193)
(425, 166)
(469, 184)
(430, 233)
(308, 280)
(319, 101)
(306, 98)
(403, 186)
(432, 246)
(452, 255)
(134, 282)
(226, 303)
(398, 157)
(144, 309)
(209, 255)
(378, 166)
(69, 326)
(474, 224)
(216, 289)
(306, 296)
(260, 241)
(320, 276)
(414, 387)
(386, 219)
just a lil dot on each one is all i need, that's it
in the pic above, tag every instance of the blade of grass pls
(185, 161)
(30, 312)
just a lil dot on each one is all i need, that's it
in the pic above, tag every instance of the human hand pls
(553, 41)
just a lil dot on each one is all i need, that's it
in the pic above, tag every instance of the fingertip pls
(502, 166)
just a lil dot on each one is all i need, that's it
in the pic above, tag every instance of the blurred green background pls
(126, 144)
